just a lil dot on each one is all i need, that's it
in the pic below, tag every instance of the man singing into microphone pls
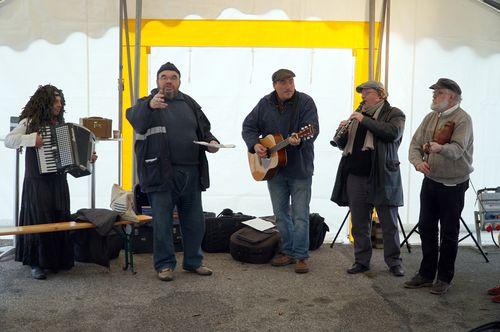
(368, 175)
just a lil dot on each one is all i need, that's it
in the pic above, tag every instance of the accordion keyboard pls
(47, 152)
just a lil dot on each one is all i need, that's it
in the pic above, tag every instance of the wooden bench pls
(73, 225)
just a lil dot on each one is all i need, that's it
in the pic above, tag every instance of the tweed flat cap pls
(446, 83)
(370, 85)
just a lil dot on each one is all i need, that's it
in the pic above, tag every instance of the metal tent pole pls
(378, 68)
(138, 21)
(10, 250)
(120, 88)
(387, 30)
(371, 46)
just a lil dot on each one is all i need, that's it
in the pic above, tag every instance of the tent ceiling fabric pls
(54, 21)
(327, 10)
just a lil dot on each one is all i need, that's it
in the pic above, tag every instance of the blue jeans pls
(294, 228)
(186, 195)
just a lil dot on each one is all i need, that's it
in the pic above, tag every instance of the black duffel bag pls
(219, 230)
(252, 246)
(317, 231)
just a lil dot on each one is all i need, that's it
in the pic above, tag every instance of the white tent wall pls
(88, 81)
(74, 45)
(459, 40)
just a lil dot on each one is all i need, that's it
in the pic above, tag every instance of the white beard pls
(440, 107)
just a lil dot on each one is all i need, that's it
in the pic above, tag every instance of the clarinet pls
(342, 131)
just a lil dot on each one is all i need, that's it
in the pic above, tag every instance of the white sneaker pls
(201, 270)
(166, 274)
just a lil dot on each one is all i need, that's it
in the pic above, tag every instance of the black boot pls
(37, 273)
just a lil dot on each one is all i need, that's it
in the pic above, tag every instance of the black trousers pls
(440, 204)
(361, 213)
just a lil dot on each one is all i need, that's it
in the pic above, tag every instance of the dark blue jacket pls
(152, 151)
(266, 118)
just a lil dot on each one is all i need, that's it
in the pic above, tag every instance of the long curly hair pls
(38, 110)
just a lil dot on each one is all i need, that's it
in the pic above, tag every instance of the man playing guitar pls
(285, 111)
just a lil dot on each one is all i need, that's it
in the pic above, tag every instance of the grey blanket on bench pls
(103, 219)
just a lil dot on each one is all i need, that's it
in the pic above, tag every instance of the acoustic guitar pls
(265, 168)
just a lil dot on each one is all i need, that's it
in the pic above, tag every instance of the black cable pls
(493, 238)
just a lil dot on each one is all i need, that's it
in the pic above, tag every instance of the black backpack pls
(317, 231)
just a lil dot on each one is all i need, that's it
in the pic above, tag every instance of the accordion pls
(67, 148)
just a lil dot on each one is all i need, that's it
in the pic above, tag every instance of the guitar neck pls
(279, 146)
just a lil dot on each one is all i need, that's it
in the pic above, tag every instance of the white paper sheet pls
(259, 224)
(220, 146)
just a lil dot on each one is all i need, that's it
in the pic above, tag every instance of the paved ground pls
(245, 297)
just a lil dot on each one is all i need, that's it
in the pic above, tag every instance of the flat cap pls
(446, 83)
(370, 85)
(282, 74)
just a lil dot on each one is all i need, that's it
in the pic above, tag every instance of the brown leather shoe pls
(440, 287)
(301, 266)
(282, 260)
(418, 282)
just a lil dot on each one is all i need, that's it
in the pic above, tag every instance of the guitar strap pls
(294, 115)
(295, 112)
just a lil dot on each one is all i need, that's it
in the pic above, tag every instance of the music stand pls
(414, 230)
(400, 225)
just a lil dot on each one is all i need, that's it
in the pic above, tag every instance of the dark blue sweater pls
(267, 118)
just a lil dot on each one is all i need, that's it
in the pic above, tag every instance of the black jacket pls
(151, 147)
(266, 119)
(385, 177)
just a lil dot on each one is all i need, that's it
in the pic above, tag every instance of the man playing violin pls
(441, 149)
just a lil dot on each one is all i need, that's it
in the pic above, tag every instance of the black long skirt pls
(45, 199)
